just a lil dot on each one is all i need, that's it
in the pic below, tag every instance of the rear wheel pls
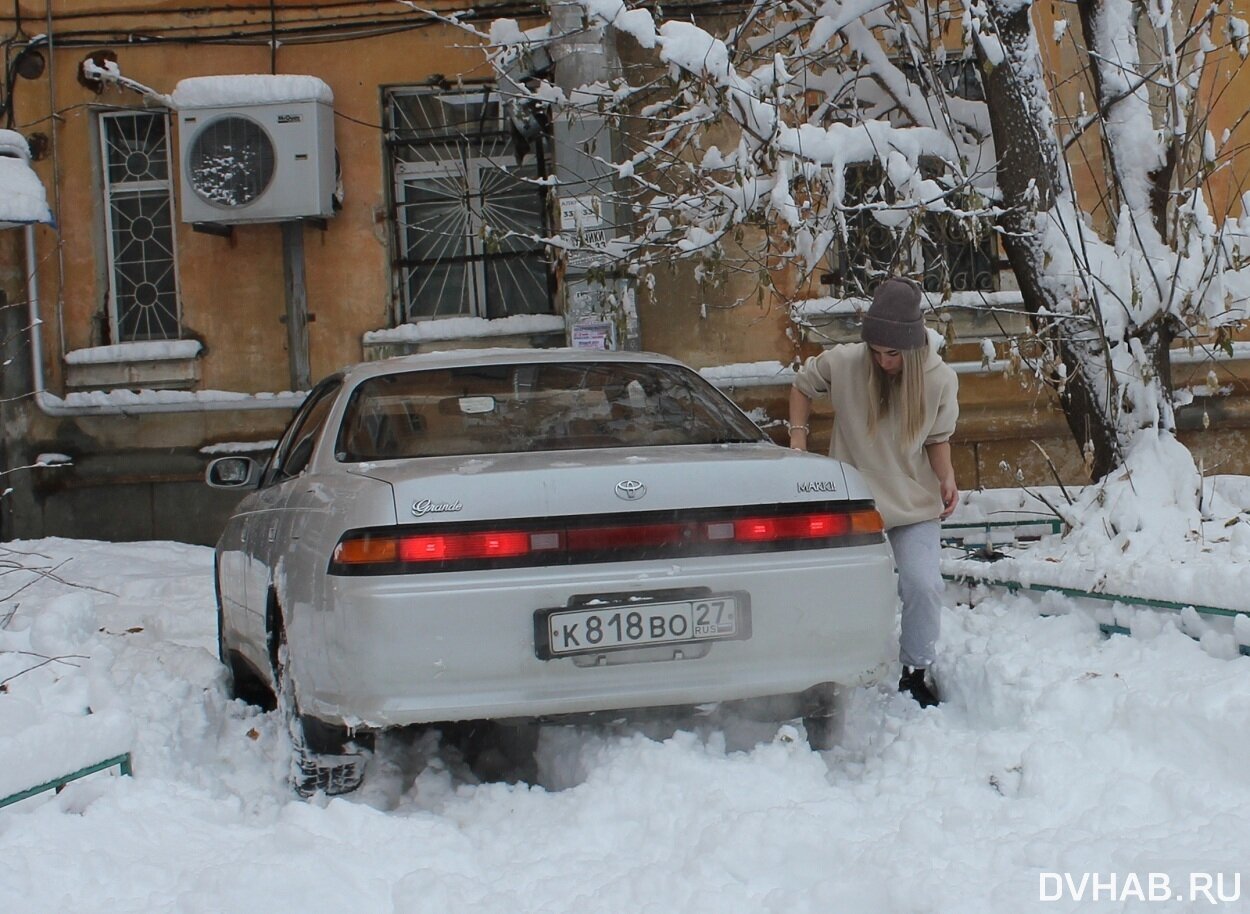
(325, 757)
(824, 715)
(330, 762)
(822, 732)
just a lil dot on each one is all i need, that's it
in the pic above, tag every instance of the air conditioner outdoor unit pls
(250, 153)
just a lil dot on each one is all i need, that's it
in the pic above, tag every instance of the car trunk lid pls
(610, 481)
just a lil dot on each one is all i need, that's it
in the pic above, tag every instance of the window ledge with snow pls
(523, 330)
(157, 365)
(975, 315)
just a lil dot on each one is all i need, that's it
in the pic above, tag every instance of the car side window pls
(296, 446)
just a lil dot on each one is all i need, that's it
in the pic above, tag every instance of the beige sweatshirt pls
(902, 481)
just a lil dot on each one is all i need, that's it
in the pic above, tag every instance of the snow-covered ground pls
(1103, 773)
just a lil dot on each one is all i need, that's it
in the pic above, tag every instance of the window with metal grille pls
(959, 254)
(468, 207)
(870, 249)
(138, 197)
(954, 253)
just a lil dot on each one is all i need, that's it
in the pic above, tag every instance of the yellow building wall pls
(232, 289)
(1223, 96)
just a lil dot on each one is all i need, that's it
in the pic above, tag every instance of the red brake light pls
(545, 542)
(826, 524)
(791, 527)
(452, 546)
(758, 529)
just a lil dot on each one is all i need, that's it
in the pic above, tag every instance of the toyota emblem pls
(630, 489)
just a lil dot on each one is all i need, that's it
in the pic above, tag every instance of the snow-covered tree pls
(742, 133)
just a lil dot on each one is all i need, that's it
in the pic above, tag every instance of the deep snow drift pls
(1057, 753)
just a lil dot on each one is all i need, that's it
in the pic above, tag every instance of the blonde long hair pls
(902, 393)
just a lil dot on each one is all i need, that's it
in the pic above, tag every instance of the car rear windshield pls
(496, 409)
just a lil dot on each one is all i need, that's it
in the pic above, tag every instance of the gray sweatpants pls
(917, 549)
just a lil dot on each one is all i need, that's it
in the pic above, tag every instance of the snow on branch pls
(774, 138)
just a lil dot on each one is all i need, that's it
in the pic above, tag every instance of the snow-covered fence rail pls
(1077, 593)
(120, 762)
(61, 747)
(977, 538)
(1240, 618)
(982, 543)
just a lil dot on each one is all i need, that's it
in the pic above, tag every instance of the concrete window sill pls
(169, 365)
(526, 331)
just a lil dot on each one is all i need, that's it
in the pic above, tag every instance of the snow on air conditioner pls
(255, 148)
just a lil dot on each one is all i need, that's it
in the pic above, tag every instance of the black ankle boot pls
(913, 682)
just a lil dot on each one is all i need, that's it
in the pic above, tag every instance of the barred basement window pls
(466, 210)
(138, 196)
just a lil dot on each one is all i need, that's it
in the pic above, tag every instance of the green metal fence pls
(121, 762)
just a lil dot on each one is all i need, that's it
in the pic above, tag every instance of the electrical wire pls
(291, 30)
(286, 30)
(356, 120)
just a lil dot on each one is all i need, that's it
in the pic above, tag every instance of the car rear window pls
(495, 409)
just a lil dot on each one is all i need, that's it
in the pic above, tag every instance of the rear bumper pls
(397, 650)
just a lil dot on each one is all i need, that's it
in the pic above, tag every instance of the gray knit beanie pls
(894, 319)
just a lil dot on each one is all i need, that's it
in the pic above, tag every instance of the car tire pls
(824, 716)
(324, 758)
(823, 733)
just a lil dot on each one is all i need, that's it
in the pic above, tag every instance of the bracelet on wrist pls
(797, 428)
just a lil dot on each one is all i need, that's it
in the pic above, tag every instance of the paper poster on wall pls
(592, 335)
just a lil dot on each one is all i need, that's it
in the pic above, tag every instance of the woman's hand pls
(950, 494)
(940, 459)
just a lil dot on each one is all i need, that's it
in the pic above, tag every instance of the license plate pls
(586, 630)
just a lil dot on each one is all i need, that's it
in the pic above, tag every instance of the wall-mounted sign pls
(592, 335)
(580, 213)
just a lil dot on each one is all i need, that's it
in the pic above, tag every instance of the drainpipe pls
(588, 216)
(32, 301)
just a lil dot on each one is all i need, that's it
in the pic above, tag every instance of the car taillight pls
(449, 547)
(578, 540)
(770, 529)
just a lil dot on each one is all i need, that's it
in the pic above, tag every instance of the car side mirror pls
(232, 473)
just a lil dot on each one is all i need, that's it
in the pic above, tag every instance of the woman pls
(894, 406)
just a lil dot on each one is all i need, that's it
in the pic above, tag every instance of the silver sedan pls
(526, 535)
